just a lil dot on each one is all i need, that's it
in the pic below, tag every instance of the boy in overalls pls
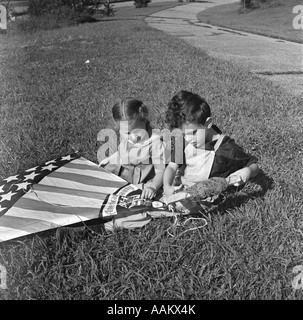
(205, 151)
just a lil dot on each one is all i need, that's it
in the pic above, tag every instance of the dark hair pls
(130, 109)
(187, 107)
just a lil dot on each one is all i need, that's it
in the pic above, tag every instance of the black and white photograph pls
(151, 153)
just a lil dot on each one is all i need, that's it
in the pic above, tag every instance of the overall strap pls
(218, 142)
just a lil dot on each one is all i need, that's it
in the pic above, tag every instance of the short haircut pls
(187, 107)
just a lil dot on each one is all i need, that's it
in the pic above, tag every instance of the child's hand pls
(148, 192)
(104, 162)
(239, 177)
(169, 190)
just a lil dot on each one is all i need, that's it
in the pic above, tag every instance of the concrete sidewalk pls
(278, 60)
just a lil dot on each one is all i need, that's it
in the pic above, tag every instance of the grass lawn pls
(52, 103)
(273, 20)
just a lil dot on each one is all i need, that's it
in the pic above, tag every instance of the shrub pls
(77, 11)
(50, 14)
(258, 3)
(141, 3)
(249, 3)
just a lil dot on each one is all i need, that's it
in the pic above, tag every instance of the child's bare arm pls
(112, 158)
(241, 176)
(168, 179)
(254, 170)
(151, 186)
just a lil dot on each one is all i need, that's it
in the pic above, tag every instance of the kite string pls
(178, 224)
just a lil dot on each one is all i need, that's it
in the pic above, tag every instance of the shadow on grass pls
(237, 196)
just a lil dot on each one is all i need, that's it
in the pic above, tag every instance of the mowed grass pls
(273, 19)
(53, 103)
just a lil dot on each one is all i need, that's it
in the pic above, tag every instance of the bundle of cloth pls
(200, 191)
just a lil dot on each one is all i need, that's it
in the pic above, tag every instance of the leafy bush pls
(51, 14)
(258, 3)
(250, 3)
(141, 3)
(75, 10)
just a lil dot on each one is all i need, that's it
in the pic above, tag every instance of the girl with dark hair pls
(140, 156)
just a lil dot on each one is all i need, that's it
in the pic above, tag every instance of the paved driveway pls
(278, 60)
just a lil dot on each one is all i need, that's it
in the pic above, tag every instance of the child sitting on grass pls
(205, 151)
(139, 159)
(140, 156)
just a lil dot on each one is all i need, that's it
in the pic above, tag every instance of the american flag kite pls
(63, 191)
(68, 190)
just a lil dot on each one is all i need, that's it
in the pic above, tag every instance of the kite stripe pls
(56, 198)
(93, 181)
(104, 176)
(79, 164)
(44, 215)
(65, 191)
(52, 181)
(9, 233)
(25, 224)
(36, 205)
